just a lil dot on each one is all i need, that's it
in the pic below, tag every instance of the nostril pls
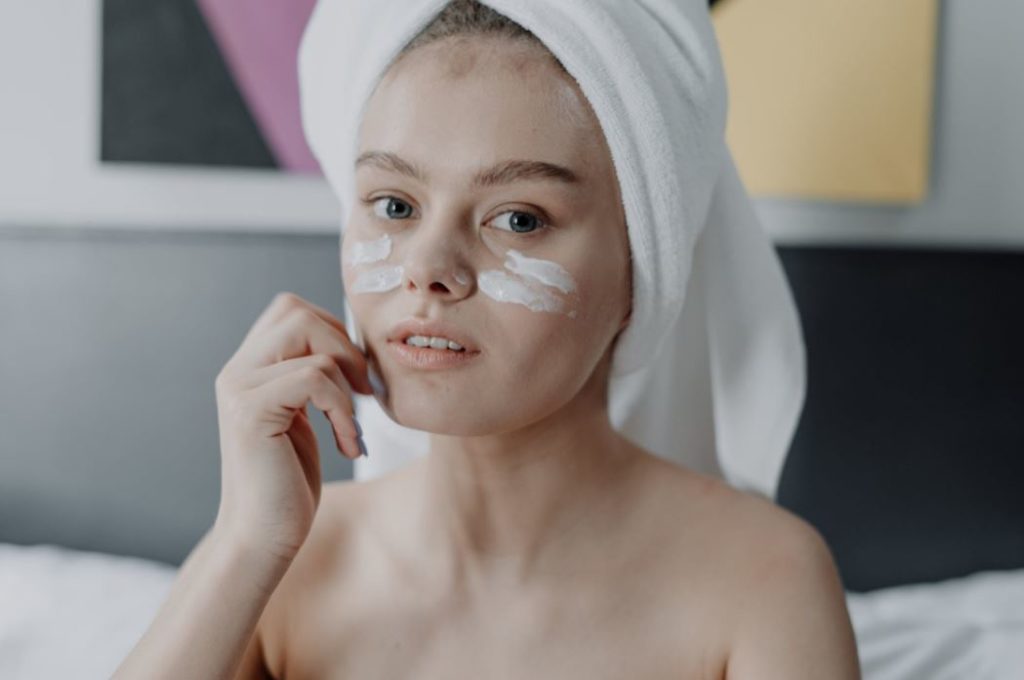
(438, 286)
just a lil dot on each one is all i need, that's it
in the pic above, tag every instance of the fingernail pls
(359, 429)
(362, 447)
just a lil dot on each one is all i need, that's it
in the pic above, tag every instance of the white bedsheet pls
(969, 628)
(73, 614)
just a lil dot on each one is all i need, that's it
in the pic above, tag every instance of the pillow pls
(967, 628)
(74, 614)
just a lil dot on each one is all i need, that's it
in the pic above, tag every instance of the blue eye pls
(521, 222)
(389, 214)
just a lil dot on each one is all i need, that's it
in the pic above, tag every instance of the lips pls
(436, 328)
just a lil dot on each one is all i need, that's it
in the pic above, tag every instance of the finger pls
(323, 362)
(272, 313)
(300, 333)
(283, 304)
(285, 301)
(305, 444)
(279, 399)
(348, 446)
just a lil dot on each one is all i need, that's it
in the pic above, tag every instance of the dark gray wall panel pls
(109, 346)
(909, 454)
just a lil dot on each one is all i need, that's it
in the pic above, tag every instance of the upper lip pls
(430, 328)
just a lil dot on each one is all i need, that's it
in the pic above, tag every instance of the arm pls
(205, 627)
(796, 625)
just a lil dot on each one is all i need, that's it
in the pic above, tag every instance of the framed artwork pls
(162, 114)
(830, 99)
(203, 82)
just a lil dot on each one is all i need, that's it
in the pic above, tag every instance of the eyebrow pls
(505, 172)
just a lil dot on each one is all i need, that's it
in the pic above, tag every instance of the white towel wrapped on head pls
(710, 373)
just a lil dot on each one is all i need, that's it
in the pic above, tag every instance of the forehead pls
(465, 104)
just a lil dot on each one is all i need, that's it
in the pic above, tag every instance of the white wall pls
(49, 70)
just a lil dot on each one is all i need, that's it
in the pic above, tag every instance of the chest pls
(613, 638)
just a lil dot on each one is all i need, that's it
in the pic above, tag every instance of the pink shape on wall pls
(259, 40)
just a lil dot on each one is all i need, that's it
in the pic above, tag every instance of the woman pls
(535, 540)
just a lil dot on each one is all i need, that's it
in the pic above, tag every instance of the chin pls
(446, 415)
(436, 422)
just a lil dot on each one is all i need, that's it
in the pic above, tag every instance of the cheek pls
(366, 266)
(600, 295)
(551, 348)
(569, 304)
(539, 285)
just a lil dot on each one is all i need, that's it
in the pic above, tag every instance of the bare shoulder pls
(774, 550)
(790, 616)
(766, 581)
(754, 520)
(732, 519)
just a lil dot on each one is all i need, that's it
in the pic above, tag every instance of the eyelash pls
(544, 224)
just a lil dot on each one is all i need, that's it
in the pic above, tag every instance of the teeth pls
(433, 342)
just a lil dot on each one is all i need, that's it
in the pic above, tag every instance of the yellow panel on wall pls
(830, 99)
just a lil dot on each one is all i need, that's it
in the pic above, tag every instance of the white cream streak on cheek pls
(504, 287)
(547, 272)
(365, 252)
(378, 280)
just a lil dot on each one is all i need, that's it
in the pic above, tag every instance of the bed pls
(74, 613)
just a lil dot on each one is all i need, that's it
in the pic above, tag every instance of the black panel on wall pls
(167, 96)
(909, 455)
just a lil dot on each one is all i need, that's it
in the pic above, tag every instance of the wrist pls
(247, 549)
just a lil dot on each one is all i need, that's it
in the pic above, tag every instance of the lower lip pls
(429, 359)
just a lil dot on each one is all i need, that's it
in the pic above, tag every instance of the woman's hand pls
(295, 352)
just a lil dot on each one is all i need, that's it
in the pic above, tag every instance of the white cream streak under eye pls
(532, 292)
(547, 272)
(378, 279)
(504, 287)
(365, 252)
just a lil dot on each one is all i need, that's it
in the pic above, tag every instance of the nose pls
(436, 266)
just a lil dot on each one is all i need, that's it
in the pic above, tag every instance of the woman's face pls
(530, 269)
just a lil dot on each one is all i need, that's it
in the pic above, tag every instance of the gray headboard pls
(109, 346)
(909, 455)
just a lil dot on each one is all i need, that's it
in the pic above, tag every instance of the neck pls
(509, 505)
